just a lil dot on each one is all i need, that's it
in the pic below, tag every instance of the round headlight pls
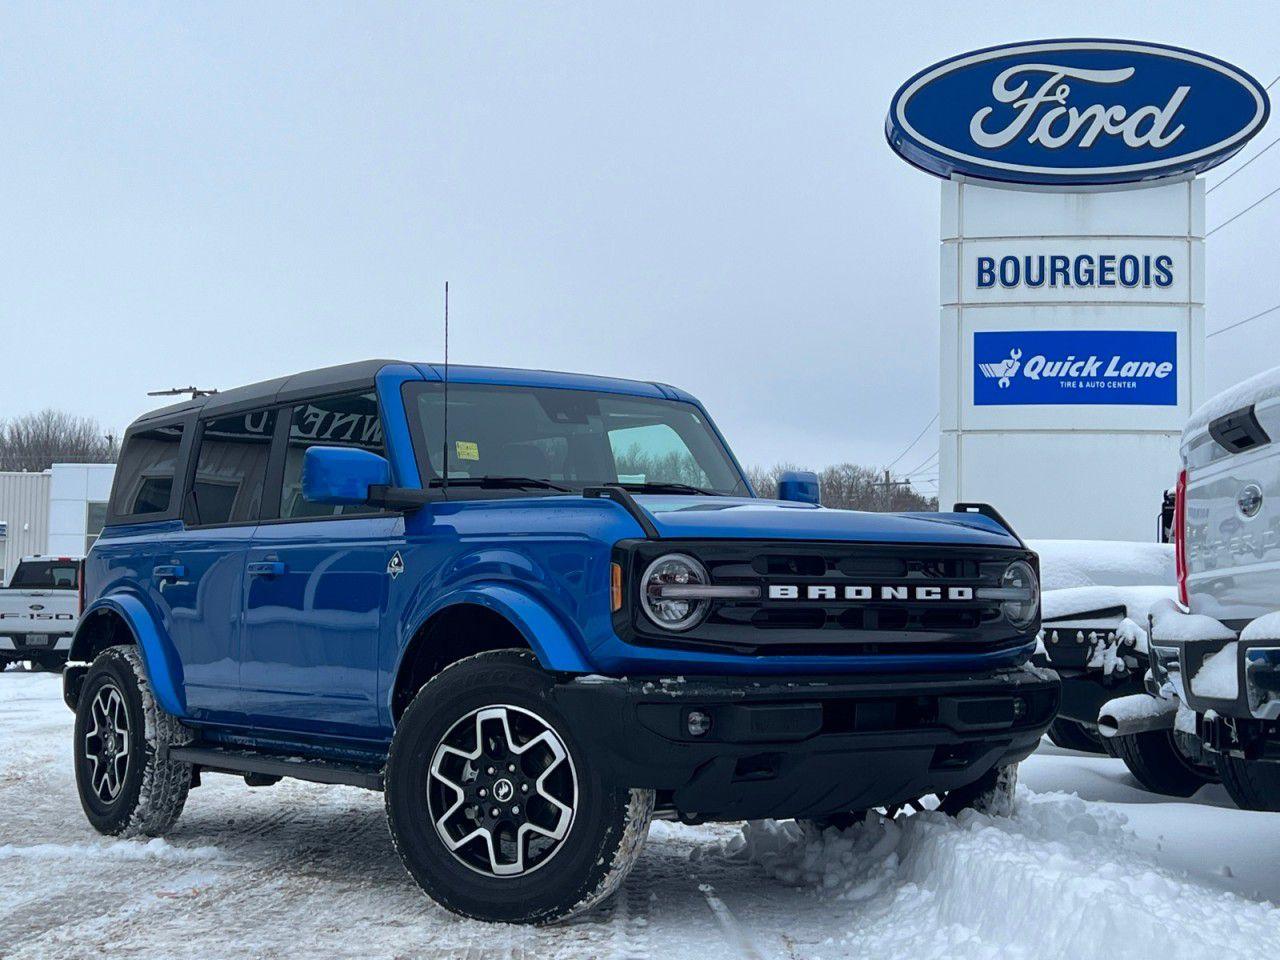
(1021, 611)
(673, 570)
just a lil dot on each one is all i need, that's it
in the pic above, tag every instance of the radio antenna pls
(444, 459)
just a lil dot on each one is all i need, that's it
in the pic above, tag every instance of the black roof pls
(344, 376)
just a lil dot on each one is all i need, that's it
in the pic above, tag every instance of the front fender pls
(553, 645)
(164, 668)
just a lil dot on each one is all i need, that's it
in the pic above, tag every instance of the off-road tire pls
(1156, 762)
(1253, 786)
(992, 793)
(152, 789)
(1073, 735)
(610, 820)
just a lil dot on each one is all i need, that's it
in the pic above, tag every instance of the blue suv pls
(536, 610)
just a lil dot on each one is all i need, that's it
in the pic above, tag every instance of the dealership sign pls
(1075, 112)
(1125, 367)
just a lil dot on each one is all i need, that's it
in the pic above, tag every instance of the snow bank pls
(1263, 386)
(1217, 677)
(1170, 623)
(117, 850)
(1060, 879)
(1106, 563)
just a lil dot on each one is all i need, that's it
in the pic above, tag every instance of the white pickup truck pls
(39, 609)
(1217, 655)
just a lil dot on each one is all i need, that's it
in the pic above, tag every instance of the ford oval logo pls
(37, 606)
(1249, 501)
(1075, 112)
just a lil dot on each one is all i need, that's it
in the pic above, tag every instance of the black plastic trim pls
(1238, 430)
(987, 510)
(623, 497)
(246, 761)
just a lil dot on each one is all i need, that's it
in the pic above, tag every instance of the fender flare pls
(163, 666)
(541, 629)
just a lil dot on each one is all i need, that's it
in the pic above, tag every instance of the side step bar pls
(230, 760)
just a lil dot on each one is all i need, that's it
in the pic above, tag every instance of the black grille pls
(802, 626)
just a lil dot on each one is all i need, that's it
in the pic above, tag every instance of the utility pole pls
(889, 483)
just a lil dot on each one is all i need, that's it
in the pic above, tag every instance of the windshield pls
(567, 439)
(46, 575)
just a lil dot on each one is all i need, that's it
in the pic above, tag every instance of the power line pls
(1229, 220)
(1240, 323)
(925, 464)
(916, 440)
(1242, 166)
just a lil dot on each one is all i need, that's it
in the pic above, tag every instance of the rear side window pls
(350, 420)
(46, 575)
(231, 467)
(144, 475)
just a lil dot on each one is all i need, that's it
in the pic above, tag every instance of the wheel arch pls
(473, 621)
(123, 620)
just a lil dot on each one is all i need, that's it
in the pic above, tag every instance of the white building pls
(57, 512)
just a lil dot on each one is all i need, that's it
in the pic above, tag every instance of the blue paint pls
(162, 662)
(1112, 367)
(295, 631)
(338, 475)
(800, 486)
(1075, 112)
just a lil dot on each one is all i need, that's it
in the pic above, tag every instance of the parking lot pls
(304, 870)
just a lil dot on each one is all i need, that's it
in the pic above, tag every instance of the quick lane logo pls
(1123, 367)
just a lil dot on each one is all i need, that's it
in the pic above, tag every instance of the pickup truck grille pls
(869, 598)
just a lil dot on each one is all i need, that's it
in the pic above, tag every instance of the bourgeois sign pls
(1075, 112)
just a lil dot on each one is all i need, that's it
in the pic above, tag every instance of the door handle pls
(266, 568)
(168, 571)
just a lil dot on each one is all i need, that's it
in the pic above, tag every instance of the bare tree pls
(35, 441)
(848, 486)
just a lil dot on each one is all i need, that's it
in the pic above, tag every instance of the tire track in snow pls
(733, 931)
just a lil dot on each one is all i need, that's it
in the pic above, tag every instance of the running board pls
(230, 760)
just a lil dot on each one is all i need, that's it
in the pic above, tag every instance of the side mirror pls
(342, 475)
(800, 486)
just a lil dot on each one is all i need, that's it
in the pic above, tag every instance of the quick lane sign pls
(1117, 367)
(1075, 112)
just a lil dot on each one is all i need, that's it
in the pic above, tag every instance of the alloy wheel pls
(502, 791)
(107, 743)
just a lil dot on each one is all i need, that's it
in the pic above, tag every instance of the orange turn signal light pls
(615, 587)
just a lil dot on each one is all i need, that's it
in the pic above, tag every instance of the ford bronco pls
(536, 610)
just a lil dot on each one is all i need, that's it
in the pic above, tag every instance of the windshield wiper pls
(658, 486)
(509, 483)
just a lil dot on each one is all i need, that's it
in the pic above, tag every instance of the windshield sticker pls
(466, 450)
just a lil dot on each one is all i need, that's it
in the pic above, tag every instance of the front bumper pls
(808, 747)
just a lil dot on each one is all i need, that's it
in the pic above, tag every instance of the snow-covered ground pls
(308, 871)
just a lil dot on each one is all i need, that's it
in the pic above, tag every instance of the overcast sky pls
(689, 192)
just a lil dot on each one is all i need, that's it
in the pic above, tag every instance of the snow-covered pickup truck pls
(1096, 599)
(39, 610)
(1216, 656)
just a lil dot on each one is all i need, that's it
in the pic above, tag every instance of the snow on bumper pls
(1209, 668)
